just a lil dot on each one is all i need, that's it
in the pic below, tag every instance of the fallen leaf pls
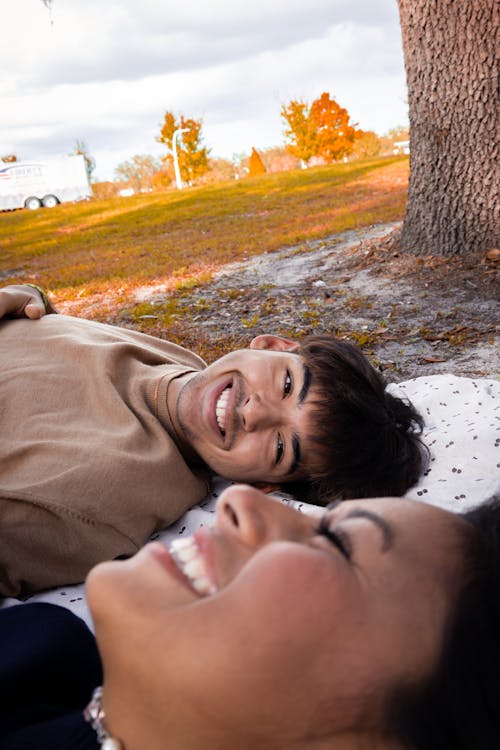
(493, 254)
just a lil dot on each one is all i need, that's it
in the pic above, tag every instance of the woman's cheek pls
(296, 591)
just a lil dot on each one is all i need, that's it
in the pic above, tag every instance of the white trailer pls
(31, 184)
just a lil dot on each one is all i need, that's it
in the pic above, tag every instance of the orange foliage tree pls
(322, 129)
(334, 133)
(192, 155)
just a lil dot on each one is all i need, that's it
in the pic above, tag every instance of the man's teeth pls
(186, 555)
(220, 409)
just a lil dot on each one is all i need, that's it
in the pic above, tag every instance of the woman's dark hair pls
(366, 439)
(459, 707)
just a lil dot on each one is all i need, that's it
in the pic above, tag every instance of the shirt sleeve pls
(43, 546)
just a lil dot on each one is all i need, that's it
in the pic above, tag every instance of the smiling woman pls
(278, 629)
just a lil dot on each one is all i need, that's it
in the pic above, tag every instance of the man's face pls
(247, 415)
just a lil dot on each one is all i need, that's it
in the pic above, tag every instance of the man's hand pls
(23, 301)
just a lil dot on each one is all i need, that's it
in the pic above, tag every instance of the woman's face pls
(309, 621)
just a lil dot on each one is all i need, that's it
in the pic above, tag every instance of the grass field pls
(108, 247)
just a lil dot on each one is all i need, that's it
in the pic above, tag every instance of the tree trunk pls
(449, 50)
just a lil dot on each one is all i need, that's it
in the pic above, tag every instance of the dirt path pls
(413, 316)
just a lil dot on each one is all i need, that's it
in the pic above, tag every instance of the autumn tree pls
(219, 170)
(105, 190)
(138, 172)
(449, 52)
(335, 136)
(366, 144)
(322, 129)
(164, 177)
(300, 130)
(9, 158)
(191, 153)
(278, 159)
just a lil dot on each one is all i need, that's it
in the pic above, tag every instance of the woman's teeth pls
(220, 409)
(189, 561)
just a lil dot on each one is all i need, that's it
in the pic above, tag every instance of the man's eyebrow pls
(305, 384)
(295, 438)
(381, 523)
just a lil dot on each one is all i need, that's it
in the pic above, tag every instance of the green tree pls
(138, 172)
(323, 129)
(191, 153)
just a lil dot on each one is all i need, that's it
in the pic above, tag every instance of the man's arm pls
(24, 301)
(42, 547)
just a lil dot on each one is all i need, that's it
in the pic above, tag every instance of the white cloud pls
(106, 72)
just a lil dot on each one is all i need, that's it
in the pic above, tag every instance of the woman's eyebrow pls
(381, 523)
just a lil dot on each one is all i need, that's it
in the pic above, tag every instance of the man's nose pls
(257, 412)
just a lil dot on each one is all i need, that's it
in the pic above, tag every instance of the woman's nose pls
(255, 518)
(238, 514)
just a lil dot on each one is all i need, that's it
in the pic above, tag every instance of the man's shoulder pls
(79, 330)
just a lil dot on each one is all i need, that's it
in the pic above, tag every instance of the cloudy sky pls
(105, 71)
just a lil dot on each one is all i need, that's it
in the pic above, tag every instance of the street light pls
(176, 160)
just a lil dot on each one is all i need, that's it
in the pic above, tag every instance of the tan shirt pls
(88, 465)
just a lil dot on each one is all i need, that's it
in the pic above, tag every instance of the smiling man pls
(247, 416)
(109, 435)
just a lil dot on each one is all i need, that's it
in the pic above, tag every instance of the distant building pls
(401, 147)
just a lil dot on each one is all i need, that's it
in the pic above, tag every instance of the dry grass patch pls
(100, 253)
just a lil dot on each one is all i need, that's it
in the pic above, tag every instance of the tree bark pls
(449, 51)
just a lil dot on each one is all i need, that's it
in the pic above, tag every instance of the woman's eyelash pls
(337, 538)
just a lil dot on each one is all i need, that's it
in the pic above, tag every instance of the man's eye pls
(337, 538)
(280, 448)
(287, 386)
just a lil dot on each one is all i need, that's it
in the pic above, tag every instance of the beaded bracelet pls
(45, 299)
(95, 716)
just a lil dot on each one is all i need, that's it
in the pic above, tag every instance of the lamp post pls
(176, 160)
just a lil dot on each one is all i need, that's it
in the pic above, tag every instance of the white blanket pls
(462, 433)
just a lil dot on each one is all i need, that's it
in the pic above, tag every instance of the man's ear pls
(274, 343)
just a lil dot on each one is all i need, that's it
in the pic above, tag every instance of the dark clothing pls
(49, 666)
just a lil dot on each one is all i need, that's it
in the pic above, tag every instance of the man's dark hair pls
(367, 440)
(458, 707)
